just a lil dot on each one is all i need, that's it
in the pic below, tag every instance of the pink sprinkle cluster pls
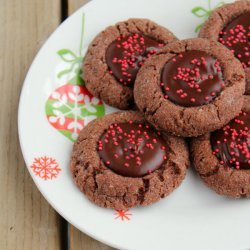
(132, 143)
(238, 139)
(236, 36)
(192, 76)
(132, 47)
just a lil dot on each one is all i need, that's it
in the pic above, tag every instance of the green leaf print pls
(71, 106)
(199, 11)
(73, 60)
(67, 55)
(204, 13)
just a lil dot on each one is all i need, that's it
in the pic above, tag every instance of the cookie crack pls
(160, 176)
(143, 190)
(217, 111)
(171, 151)
(220, 16)
(119, 29)
(126, 27)
(94, 173)
(80, 140)
(243, 193)
(151, 112)
(236, 77)
(188, 123)
(174, 166)
(232, 173)
(171, 52)
(149, 28)
(100, 87)
(182, 111)
(210, 173)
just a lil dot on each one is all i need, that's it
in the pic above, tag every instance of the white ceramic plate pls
(54, 105)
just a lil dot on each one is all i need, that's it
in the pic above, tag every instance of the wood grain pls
(78, 240)
(26, 219)
(74, 5)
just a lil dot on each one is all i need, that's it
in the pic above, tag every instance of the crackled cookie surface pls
(190, 87)
(222, 158)
(120, 161)
(115, 56)
(230, 26)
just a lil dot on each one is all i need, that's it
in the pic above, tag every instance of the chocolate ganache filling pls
(132, 149)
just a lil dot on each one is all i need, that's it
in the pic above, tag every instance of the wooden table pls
(27, 221)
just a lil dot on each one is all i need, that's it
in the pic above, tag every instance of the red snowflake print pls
(122, 214)
(45, 167)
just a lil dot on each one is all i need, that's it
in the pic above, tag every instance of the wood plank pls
(79, 240)
(26, 220)
(73, 5)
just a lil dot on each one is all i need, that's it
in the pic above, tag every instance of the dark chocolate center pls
(132, 149)
(192, 78)
(231, 144)
(126, 55)
(236, 37)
